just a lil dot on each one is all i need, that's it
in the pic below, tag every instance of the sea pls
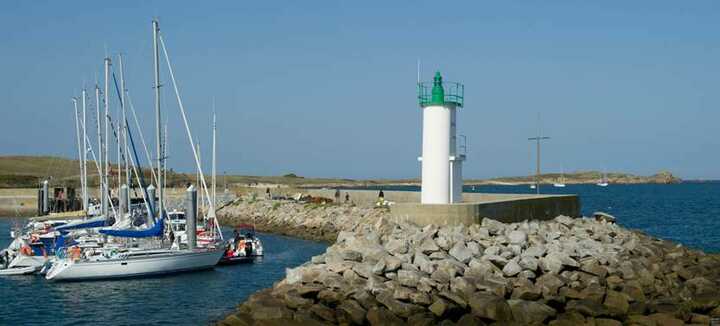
(198, 298)
(687, 213)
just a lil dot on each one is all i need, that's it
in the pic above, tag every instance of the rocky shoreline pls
(307, 221)
(560, 272)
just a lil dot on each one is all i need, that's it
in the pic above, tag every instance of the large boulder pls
(353, 310)
(494, 227)
(512, 268)
(517, 237)
(428, 246)
(423, 263)
(381, 316)
(461, 252)
(397, 307)
(490, 306)
(616, 303)
(408, 277)
(530, 312)
(586, 307)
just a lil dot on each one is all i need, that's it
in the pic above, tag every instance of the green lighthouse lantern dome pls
(439, 93)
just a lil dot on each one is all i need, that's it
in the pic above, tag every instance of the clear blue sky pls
(324, 88)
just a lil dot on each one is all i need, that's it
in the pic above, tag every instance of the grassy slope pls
(27, 171)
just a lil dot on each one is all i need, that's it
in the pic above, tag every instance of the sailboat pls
(604, 181)
(34, 246)
(142, 255)
(561, 181)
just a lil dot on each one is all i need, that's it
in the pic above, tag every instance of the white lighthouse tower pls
(441, 162)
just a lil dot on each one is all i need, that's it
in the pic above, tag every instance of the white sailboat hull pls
(559, 185)
(171, 261)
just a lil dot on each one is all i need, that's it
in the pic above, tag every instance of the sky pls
(328, 88)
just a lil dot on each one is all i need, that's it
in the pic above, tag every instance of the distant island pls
(29, 171)
(583, 177)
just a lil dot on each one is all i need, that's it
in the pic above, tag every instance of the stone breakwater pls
(308, 221)
(560, 272)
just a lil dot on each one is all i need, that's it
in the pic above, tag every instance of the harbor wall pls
(475, 206)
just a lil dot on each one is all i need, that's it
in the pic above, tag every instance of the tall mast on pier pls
(85, 150)
(99, 139)
(156, 63)
(106, 102)
(123, 123)
(212, 204)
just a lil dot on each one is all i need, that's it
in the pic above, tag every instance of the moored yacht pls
(112, 263)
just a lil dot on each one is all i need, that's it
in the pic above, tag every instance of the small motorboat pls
(243, 247)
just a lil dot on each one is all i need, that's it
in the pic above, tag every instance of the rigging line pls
(122, 151)
(189, 134)
(142, 137)
(140, 177)
(97, 166)
(150, 205)
(117, 136)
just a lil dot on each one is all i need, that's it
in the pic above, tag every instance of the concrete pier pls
(475, 206)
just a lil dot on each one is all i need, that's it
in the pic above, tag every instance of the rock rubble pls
(560, 272)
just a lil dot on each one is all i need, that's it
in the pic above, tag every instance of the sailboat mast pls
(214, 161)
(106, 102)
(125, 146)
(156, 62)
(201, 201)
(165, 153)
(100, 152)
(85, 150)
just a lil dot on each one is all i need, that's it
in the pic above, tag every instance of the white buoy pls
(441, 162)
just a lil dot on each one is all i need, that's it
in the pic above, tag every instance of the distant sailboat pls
(561, 181)
(603, 182)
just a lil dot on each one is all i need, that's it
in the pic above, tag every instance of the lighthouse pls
(441, 162)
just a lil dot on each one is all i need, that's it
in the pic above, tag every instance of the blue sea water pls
(688, 213)
(181, 299)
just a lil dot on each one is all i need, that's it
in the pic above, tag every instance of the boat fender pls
(25, 250)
